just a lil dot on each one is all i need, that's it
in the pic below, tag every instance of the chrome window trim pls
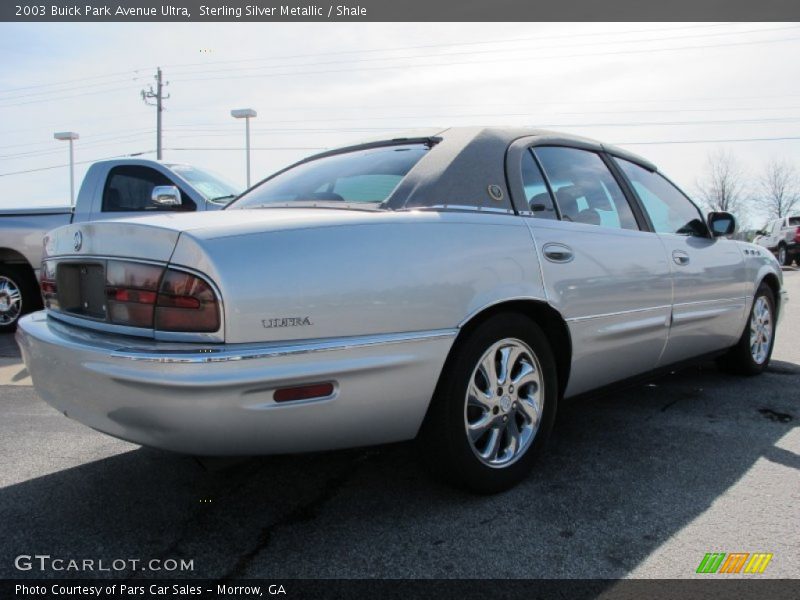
(460, 208)
(251, 352)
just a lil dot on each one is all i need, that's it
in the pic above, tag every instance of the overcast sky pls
(640, 85)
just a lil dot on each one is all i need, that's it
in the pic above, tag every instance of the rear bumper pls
(217, 400)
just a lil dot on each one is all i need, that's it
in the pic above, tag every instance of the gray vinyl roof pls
(467, 159)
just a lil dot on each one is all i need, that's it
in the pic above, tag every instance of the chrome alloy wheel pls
(760, 330)
(10, 301)
(782, 255)
(504, 403)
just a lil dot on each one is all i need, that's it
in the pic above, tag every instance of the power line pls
(96, 144)
(68, 97)
(454, 44)
(726, 141)
(104, 136)
(782, 119)
(489, 51)
(67, 81)
(82, 162)
(69, 89)
(491, 61)
(653, 143)
(137, 71)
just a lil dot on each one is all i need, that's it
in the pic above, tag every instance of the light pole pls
(246, 114)
(69, 136)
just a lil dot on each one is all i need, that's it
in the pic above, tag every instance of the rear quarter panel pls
(403, 272)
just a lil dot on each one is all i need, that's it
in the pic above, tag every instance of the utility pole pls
(159, 96)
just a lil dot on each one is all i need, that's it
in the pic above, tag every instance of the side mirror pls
(166, 195)
(721, 223)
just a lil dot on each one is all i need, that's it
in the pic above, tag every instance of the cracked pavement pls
(639, 483)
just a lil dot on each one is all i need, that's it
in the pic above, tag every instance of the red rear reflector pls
(126, 295)
(304, 392)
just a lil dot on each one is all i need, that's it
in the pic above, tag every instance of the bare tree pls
(779, 188)
(722, 187)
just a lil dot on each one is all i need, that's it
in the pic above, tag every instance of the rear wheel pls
(17, 296)
(494, 406)
(752, 354)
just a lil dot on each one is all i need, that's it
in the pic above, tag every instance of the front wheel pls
(494, 406)
(751, 355)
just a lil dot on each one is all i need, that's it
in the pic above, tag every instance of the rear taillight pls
(47, 283)
(148, 296)
(186, 303)
(131, 290)
(797, 235)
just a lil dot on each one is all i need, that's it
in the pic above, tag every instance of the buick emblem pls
(77, 241)
(495, 192)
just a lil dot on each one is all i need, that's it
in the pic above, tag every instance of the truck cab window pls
(129, 189)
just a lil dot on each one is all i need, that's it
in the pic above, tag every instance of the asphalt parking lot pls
(641, 483)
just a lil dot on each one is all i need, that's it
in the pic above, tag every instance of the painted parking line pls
(13, 372)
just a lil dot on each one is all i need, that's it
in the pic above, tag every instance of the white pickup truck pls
(112, 189)
(782, 238)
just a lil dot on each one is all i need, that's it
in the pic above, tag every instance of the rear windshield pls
(363, 176)
(794, 220)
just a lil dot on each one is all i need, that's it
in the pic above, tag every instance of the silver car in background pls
(452, 287)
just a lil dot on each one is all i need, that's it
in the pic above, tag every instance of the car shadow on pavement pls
(624, 472)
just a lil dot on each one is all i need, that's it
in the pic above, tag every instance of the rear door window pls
(585, 190)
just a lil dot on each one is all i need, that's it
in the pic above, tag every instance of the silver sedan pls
(452, 286)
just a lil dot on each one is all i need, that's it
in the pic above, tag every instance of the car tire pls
(18, 296)
(783, 256)
(748, 357)
(481, 432)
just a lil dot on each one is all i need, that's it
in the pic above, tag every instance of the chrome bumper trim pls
(228, 354)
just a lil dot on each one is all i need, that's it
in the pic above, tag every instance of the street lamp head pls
(66, 135)
(243, 113)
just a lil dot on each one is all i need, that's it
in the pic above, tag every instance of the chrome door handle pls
(680, 257)
(558, 253)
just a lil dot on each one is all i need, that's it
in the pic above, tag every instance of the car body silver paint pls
(399, 282)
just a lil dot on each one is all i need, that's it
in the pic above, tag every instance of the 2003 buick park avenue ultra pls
(453, 287)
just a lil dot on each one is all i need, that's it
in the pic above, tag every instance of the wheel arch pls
(13, 257)
(774, 284)
(17, 260)
(22, 267)
(545, 316)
